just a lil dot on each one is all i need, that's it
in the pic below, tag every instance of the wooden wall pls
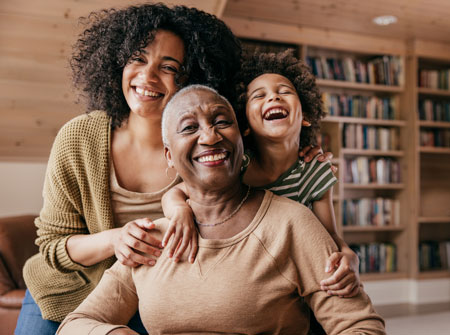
(36, 96)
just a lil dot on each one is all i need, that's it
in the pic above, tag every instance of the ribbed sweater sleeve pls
(70, 199)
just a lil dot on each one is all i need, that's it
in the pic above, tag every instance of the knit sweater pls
(76, 201)
(257, 281)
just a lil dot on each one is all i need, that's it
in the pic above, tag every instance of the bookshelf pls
(431, 128)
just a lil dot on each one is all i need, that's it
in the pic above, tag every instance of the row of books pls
(370, 107)
(431, 110)
(376, 257)
(371, 212)
(437, 79)
(357, 136)
(384, 70)
(365, 170)
(435, 138)
(434, 255)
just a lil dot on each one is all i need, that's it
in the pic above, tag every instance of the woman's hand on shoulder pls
(134, 244)
(345, 280)
(181, 233)
(309, 152)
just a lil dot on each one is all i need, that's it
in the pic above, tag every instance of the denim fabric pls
(30, 320)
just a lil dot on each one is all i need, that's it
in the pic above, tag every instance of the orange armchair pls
(17, 236)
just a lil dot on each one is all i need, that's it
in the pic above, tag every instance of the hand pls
(345, 280)
(183, 232)
(309, 152)
(133, 244)
(123, 331)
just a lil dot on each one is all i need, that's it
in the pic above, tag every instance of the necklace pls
(229, 216)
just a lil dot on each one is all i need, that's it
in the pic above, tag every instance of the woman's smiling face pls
(148, 80)
(273, 107)
(205, 145)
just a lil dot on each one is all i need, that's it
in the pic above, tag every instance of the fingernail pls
(151, 263)
(176, 260)
(157, 253)
(327, 269)
(162, 245)
(191, 260)
(170, 255)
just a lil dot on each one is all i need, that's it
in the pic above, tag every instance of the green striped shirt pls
(303, 182)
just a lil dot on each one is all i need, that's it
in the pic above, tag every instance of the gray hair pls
(170, 106)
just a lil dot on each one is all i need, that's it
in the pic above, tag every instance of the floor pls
(416, 320)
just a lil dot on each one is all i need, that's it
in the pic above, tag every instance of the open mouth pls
(275, 114)
(148, 93)
(212, 158)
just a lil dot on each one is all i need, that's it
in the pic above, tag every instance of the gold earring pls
(306, 123)
(247, 132)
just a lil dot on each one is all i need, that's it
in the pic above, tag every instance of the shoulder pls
(86, 124)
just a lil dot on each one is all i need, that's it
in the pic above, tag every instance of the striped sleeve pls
(306, 183)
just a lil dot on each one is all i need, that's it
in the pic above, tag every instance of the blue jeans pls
(30, 320)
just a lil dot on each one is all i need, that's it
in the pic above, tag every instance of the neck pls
(212, 207)
(274, 158)
(144, 132)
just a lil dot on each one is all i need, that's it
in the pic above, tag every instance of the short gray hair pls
(169, 107)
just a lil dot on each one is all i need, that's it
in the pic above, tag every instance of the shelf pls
(374, 186)
(434, 124)
(434, 150)
(435, 219)
(335, 161)
(433, 91)
(382, 276)
(358, 86)
(370, 229)
(367, 152)
(365, 121)
(432, 274)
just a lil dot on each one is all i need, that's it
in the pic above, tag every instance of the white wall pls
(21, 188)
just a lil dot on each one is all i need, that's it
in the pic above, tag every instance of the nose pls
(150, 72)
(209, 136)
(274, 96)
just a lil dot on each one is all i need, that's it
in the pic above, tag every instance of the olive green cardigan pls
(76, 201)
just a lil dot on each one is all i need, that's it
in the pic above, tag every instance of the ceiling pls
(422, 19)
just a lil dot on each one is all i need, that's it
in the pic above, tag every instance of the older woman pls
(106, 172)
(256, 267)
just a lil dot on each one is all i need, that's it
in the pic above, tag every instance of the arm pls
(65, 235)
(108, 308)
(345, 280)
(181, 224)
(313, 246)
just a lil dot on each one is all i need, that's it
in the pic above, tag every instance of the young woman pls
(106, 171)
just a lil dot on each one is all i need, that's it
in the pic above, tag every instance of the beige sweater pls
(77, 200)
(258, 281)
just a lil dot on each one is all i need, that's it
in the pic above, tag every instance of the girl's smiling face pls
(273, 108)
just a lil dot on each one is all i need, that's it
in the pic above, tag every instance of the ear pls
(247, 132)
(305, 123)
(168, 156)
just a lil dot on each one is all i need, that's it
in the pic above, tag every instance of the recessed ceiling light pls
(385, 20)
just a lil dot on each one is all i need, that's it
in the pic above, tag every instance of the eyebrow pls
(165, 57)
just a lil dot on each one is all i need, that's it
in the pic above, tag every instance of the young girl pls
(279, 96)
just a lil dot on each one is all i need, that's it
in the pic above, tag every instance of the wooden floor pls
(392, 311)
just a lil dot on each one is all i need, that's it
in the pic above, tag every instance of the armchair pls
(17, 236)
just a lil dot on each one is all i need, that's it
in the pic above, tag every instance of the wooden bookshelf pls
(383, 276)
(430, 165)
(373, 186)
(359, 229)
(367, 152)
(358, 120)
(358, 86)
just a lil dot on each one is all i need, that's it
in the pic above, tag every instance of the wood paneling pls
(36, 97)
(423, 19)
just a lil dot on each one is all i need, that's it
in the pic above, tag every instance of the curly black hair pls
(285, 64)
(112, 36)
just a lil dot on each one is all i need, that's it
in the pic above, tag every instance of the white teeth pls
(275, 111)
(141, 91)
(212, 158)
